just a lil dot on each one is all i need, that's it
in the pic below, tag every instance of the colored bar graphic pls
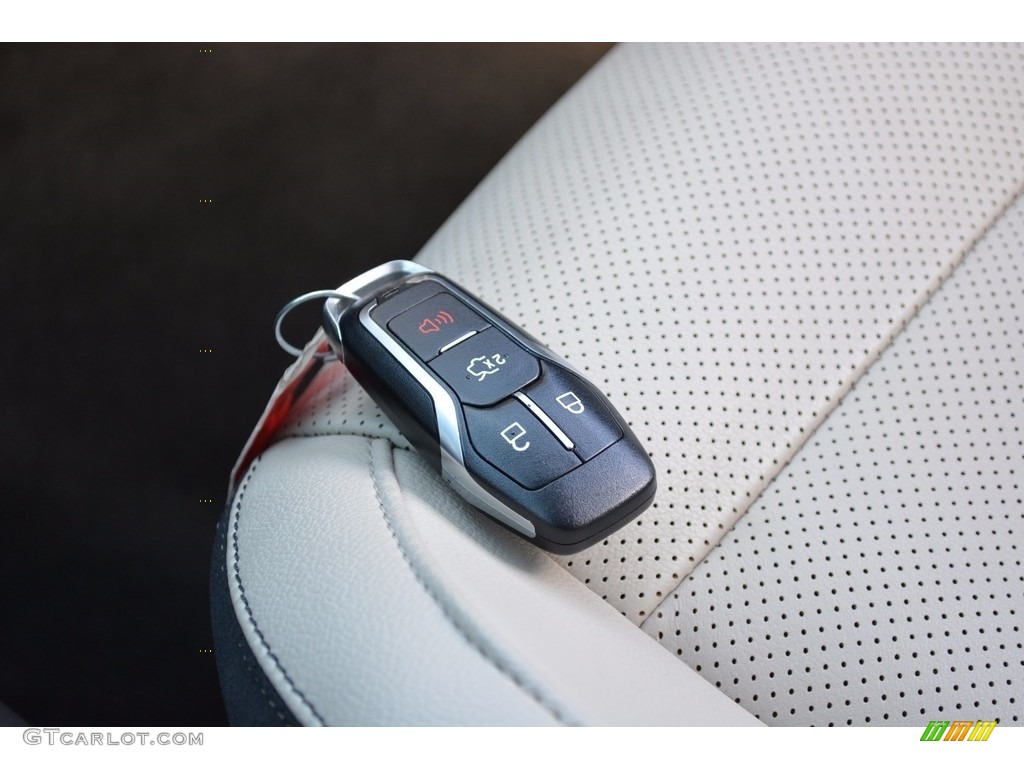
(959, 730)
(934, 730)
(982, 730)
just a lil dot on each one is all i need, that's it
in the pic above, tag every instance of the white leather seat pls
(795, 270)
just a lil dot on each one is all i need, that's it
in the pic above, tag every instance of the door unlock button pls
(513, 434)
(512, 439)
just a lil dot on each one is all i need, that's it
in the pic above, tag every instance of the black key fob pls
(512, 427)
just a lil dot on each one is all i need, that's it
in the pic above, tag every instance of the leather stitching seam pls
(248, 662)
(516, 679)
(245, 600)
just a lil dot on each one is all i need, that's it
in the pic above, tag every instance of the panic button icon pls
(439, 322)
(433, 324)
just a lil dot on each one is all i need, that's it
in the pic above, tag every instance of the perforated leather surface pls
(724, 238)
(880, 578)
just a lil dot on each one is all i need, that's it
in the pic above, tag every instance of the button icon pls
(570, 402)
(481, 367)
(433, 324)
(513, 433)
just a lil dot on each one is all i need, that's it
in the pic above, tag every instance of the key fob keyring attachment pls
(512, 427)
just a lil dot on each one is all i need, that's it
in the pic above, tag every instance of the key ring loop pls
(293, 350)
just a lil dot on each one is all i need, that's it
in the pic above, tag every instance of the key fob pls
(513, 428)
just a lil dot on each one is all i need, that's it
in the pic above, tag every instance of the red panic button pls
(434, 324)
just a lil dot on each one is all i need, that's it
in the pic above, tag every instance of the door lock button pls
(573, 406)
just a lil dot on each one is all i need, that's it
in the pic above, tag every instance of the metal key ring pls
(344, 297)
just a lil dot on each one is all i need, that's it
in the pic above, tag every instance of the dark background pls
(321, 161)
